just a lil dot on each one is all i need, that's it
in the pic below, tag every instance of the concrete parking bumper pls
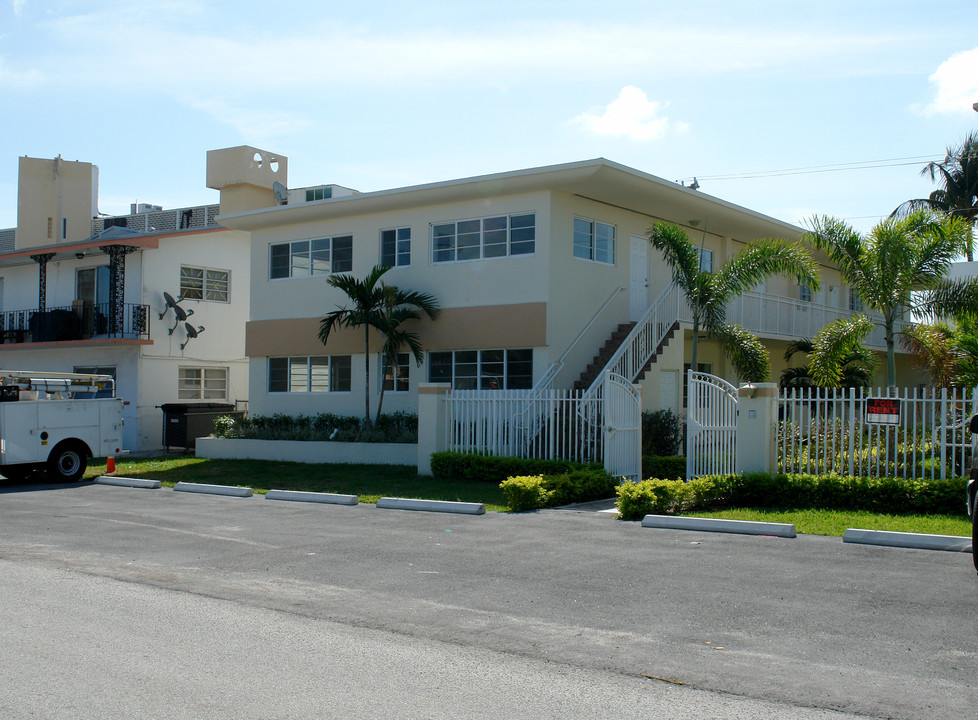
(313, 497)
(889, 538)
(128, 482)
(443, 506)
(230, 490)
(743, 527)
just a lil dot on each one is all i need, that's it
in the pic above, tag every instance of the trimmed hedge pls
(791, 492)
(494, 469)
(531, 492)
(395, 427)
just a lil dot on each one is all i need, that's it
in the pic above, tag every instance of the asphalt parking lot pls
(809, 622)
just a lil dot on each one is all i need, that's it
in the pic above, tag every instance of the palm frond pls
(833, 344)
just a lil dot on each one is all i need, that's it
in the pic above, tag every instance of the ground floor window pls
(316, 373)
(396, 375)
(482, 369)
(200, 383)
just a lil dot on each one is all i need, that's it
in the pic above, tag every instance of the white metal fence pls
(550, 424)
(822, 430)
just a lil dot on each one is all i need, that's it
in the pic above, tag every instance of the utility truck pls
(53, 422)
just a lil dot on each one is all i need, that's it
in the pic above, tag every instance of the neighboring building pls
(534, 269)
(84, 292)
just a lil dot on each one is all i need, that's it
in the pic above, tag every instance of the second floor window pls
(855, 302)
(197, 283)
(805, 292)
(706, 259)
(302, 258)
(594, 241)
(483, 238)
(92, 284)
(395, 247)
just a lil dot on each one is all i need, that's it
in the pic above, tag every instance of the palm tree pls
(947, 353)
(958, 194)
(898, 269)
(399, 307)
(854, 368)
(372, 304)
(708, 293)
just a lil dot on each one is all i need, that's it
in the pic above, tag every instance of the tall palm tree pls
(399, 307)
(371, 305)
(957, 195)
(898, 269)
(947, 353)
(708, 293)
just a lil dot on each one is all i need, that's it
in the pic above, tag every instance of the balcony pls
(79, 321)
(781, 317)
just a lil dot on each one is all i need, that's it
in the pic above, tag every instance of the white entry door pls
(638, 278)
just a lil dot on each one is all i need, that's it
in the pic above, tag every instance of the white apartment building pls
(534, 270)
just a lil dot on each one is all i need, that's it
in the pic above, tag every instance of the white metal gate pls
(622, 428)
(711, 425)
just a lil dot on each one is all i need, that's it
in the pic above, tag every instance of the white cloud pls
(18, 5)
(630, 115)
(256, 124)
(13, 78)
(956, 84)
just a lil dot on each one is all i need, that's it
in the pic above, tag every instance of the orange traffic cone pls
(110, 465)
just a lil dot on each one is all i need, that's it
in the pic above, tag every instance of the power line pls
(811, 169)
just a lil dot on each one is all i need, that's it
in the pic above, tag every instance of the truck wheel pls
(67, 462)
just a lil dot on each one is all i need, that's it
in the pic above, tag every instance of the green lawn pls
(836, 522)
(370, 482)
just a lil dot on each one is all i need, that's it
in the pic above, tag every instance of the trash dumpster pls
(184, 422)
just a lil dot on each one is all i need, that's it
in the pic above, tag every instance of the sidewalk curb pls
(919, 541)
(313, 497)
(443, 506)
(743, 527)
(230, 490)
(128, 482)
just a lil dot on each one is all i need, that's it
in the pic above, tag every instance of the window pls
(395, 247)
(319, 194)
(483, 238)
(804, 292)
(855, 302)
(195, 383)
(198, 283)
(482, 369)
(700, 367)
(94, 370)
(396, 377)
(92, 284)
(302, 258)
(309, 374)
(594, 241)
(706, 259)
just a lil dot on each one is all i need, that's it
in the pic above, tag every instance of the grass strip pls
(369, 482)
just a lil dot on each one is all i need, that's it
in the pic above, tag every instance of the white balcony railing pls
(774, 315)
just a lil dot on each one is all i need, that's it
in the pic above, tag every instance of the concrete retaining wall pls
(309, 452)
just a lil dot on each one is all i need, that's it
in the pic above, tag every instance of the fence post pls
(432, 422)
(757, 428)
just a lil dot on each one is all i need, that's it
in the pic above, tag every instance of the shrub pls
(792, 492)
(665, 467)
(662, 433)
(397, 427)
(531, 492)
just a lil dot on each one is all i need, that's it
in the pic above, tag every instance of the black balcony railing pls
(79, 321)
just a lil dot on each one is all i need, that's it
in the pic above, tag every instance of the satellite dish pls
(281, 193)
(191, 333)
(181, 314)
(170, 303)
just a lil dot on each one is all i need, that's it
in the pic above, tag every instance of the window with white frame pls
(804, 292)
(482, 369)
(302, 258)
(395, 247)
(323, 193)
(199, 283)
(309, 374)
(92, 284)
(489, 237)
(202, 383)
(855, 302)
(594, 241)
(396, 376)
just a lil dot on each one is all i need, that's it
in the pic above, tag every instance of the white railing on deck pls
(524, 423)
(826, 431)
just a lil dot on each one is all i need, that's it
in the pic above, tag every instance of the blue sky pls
(375, 95)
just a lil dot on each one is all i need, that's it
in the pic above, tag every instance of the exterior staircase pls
(611, 346)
